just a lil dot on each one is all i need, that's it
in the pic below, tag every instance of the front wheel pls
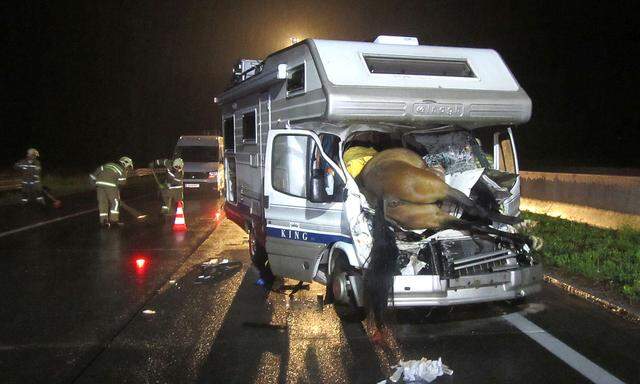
(260, 258)
(344, 300)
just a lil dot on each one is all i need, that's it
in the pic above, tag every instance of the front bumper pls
(430, 290)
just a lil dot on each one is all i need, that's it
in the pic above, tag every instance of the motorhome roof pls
(394, 83)
(413, 66)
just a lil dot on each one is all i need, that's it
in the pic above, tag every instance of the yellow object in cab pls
(356, 158)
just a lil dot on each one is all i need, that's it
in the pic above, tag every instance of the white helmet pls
(32, 152)
(178, 163)
(126, 162)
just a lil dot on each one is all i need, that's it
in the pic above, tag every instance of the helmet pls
(32, 152)
(178, 163)
(126, 162)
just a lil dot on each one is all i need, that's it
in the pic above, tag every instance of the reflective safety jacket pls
(109, 175)
(30, 170)
(174, 178)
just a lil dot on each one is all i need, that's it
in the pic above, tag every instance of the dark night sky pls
(88, 81)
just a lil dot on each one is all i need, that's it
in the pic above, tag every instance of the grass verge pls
(605, 256)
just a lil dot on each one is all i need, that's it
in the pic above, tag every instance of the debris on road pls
(217, 264)
(216, 267)
(418, 371)
(149, 312)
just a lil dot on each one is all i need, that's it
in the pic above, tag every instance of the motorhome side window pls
(228, 134)
(330, 183)
(296, 160)
(295, 81)
(289, 164)
(249, 127)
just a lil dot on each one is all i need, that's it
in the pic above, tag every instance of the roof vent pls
(397, 40)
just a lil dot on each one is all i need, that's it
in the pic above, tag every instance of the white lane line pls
(40, 224)
(561, 350)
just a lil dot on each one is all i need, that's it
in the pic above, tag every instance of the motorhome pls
(288, 120)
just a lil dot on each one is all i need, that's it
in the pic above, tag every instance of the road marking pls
(40, 224)
(561, 350)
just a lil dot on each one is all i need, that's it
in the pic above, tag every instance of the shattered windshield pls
(455, 151)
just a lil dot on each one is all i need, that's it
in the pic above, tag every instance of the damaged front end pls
(452, 267)
(473, 259)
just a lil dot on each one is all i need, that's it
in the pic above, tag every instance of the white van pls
(307, 104)
(203, 164)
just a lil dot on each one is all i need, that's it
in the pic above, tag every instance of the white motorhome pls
(287, 121)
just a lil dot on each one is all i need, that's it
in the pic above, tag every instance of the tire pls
(518, 301)
(255, 250)
(349, 311)
(259, 257)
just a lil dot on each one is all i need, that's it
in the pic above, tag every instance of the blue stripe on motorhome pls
(312, 237)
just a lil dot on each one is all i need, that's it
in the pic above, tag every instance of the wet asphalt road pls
(73, 302)
(69, 287)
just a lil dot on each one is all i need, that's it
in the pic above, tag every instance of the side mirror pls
(317, 192)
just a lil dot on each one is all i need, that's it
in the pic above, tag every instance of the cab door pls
(303, 202)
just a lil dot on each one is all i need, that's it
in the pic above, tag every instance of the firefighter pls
(107, 179)
(172, 189)
(31, 184)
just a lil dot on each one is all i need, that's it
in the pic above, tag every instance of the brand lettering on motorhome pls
(294, 235)
(438, 109)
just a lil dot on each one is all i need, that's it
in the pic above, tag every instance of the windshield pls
(454, 151)
(198, 154)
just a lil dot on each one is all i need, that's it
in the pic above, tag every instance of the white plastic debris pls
(420, 370)
(396, 375)
(413, 267)
(464, 181)
(149, 312)
(210, 262)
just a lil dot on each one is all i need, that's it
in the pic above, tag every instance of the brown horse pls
(413, 194)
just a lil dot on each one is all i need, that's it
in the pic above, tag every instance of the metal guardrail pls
(602, 200)
(608, 192)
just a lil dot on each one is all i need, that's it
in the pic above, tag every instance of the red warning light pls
(140, 263)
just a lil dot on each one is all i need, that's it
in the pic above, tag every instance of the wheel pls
(344, 302)
(255, 250)
(259, 258)
(519, 301)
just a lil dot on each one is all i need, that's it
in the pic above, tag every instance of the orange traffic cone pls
(179, 224)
